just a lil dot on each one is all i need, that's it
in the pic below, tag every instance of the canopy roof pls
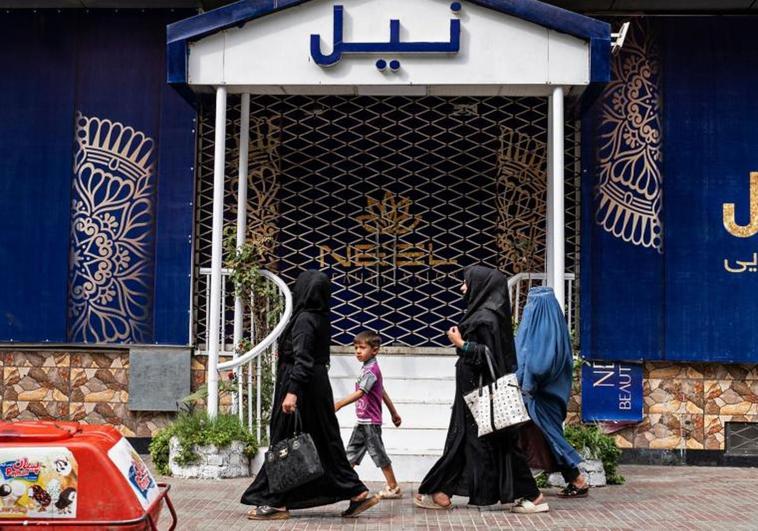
(486, 47)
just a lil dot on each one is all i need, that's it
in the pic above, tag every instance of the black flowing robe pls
(492, 469)
(303, 370)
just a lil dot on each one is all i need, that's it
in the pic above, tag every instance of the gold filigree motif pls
(521, 192)
(110, 260)
(389, 216)
(264, 168)
(629, 192)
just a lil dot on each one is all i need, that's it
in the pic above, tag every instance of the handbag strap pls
(488, 357)
(298, 423)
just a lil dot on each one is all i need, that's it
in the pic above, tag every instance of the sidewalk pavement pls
(652, 498)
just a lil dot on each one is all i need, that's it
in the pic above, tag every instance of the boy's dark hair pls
(372, 339)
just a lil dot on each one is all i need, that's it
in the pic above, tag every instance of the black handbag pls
(292, 462)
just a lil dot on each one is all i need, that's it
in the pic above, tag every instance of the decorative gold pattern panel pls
(110, 269)
(264, 167)
(521, 202)
(629, 193)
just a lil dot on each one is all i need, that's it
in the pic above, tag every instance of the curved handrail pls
(274, 334)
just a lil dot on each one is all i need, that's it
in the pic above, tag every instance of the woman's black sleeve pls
(303, 335)
(473, 348)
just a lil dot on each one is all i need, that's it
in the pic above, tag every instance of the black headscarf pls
(487, 290)
(488, 304)
(311, 294)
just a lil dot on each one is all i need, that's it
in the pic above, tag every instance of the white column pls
(555, 196)
(214, 319)
(241, 233)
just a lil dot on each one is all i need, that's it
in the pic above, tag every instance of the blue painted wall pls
(71, 74)
(670, 142)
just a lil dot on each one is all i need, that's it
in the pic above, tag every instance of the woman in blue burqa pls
(491, 469)
(545, 373)
(302, 383)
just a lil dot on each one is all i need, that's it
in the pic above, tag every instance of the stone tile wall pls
(87, 386)
(686, 405)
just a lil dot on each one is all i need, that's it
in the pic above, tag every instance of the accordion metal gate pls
(393, 197)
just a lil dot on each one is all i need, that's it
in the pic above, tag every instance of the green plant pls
(245, 263)
(191, 402)
(198, 429)
(594, 444)
(541, 480)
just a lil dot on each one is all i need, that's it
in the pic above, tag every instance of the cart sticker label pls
(134, 470)
(38, 482)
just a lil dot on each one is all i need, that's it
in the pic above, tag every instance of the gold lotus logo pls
(389, 216)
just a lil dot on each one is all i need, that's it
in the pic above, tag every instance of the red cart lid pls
(36, 431)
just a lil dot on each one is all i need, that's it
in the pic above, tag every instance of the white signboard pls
(356, 46)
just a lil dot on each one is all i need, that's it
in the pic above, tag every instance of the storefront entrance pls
(393, 197)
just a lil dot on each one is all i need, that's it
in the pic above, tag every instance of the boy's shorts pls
(367, 437)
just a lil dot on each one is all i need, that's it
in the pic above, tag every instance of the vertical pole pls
(555, 197)
(241, 233)
(253, 331)
(216, 249)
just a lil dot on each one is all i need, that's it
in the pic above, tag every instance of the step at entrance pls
(422, 389)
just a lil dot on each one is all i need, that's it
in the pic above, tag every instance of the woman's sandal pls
(572, 491)
(265, 512)
(524, 506)
(357, 507)
(423, 501)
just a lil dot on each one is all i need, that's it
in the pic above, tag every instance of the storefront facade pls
(392, 182)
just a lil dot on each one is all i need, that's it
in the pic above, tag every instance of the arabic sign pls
(386, 44)
(38, 482)
(393, 46)
(611, 391)
(131, 466)
(743, 231)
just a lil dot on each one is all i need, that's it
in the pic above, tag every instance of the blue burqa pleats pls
(545, 363)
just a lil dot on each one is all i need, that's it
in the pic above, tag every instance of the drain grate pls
(742, 438)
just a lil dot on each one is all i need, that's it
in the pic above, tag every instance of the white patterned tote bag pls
(498, 405)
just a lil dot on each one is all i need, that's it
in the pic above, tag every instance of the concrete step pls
(415, 415)
(403, 367)
(404, 439)
(402, 389)
(422, 388)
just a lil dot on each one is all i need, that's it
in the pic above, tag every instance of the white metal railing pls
(248, 363)
(523, 282)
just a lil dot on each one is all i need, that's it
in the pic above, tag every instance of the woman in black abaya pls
(492, 469)
(302, 382)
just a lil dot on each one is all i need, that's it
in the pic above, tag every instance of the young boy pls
(368, 396)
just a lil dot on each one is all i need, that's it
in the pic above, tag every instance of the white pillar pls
(214, 319)
(555, 196)
(241, 233)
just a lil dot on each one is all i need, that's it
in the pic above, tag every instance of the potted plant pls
(198, 446)
(600, 455)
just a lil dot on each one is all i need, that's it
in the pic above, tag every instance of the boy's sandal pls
(265, 512)
(357, 507)
(572, 491)
(524, 506)
(423, 501)
(390, 494)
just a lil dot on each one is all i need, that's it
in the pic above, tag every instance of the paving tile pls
(732, 503)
